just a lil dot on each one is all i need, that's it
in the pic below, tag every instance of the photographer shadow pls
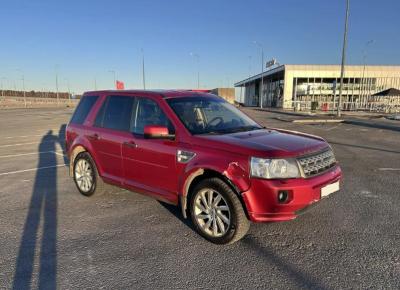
(41, 217)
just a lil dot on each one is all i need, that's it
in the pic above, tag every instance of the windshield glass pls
(206, 115)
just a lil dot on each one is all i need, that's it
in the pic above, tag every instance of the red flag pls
(120, 85)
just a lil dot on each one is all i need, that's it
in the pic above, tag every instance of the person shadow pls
(41, 217)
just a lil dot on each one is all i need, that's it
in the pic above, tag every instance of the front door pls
(149, 164)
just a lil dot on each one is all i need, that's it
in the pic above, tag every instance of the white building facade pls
(291, 86)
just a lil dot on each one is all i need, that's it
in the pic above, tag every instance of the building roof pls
(388, 92)
(260, 75)
(393, 69)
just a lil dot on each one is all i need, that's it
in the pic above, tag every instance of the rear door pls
(110, 130)
(150, 164)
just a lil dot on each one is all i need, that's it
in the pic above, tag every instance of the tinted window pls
(118, 112)
(149, 113)
(83, 109)
(98, 122)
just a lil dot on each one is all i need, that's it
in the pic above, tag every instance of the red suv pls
(197, 151)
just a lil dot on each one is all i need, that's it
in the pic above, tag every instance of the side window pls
(116, 113)
(83, 109)
(149, 113)
(98, 122)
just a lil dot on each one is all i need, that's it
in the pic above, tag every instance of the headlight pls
(274, 168)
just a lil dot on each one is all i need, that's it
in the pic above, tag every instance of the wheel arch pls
(201, 174)
(75, 152)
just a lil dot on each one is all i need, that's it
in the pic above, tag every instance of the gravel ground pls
(52, 237)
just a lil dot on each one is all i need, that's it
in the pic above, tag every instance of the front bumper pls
(261, 199)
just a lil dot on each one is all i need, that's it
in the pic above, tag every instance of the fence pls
(29, 102)
(380, 104)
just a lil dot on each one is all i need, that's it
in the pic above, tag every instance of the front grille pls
(317, 163)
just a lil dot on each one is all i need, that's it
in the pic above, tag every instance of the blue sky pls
(88, 38)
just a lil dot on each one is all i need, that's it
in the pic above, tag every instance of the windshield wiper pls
(242, 129)
(209, 133)
(230, 130)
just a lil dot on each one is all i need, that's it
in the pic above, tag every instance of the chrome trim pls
(315, 164)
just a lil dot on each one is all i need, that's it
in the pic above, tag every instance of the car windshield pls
(207, 115)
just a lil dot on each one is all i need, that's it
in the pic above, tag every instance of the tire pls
(225, 208)
(96, 186)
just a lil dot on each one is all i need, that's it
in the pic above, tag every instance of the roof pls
(264, 74)
(388, 92)
(157, 93)
(393, 70)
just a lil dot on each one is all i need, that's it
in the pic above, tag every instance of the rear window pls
(83, 109)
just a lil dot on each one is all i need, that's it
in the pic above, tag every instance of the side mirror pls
(157, 132)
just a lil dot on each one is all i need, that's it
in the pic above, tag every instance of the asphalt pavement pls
(53, 237)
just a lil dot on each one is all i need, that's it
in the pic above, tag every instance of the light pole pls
(23, 85)
(262, 71)
(43, 90)
(364, 63)
(343, 58)
(2, 89)
(57, 94)
(115, 78)
(249, 66)
(143, 72)
(69, 91)
(197, 57)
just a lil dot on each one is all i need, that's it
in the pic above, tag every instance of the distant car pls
(197, 151)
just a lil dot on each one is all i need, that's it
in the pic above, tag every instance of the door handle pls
(94, 136)
(130, 144)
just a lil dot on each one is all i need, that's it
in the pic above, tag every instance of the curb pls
(290, 113)
(318, 121)
(372, 125)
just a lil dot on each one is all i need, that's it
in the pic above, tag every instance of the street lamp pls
(57, 94)
(1, 82)
(364, 52)
(197, 57)
(69, 91)
(115, 78)
(143, 72)
(262, 71)
(343, 57)
(23, 85)
(44, 95)
(249, 66)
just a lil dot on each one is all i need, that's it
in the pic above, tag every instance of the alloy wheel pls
(84, 175)
(212, 212)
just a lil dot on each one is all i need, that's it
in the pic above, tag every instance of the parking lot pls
(51, 236)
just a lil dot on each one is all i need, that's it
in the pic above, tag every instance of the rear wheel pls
(86, 176)
(217, 212)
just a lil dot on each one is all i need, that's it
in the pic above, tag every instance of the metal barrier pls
(20, 102)
(386, 104)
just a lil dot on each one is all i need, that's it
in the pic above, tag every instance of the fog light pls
(282, 196)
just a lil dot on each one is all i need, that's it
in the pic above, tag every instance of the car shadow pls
(293, 273)
(41, 218)
(177, 212)
(61, 140)
(268, 256)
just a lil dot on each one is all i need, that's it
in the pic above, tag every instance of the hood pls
(266, 143)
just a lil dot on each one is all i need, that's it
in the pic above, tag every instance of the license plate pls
(330, 188)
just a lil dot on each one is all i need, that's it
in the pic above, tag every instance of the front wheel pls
(217, 212)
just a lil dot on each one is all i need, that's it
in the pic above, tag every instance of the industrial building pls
(298, 86)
